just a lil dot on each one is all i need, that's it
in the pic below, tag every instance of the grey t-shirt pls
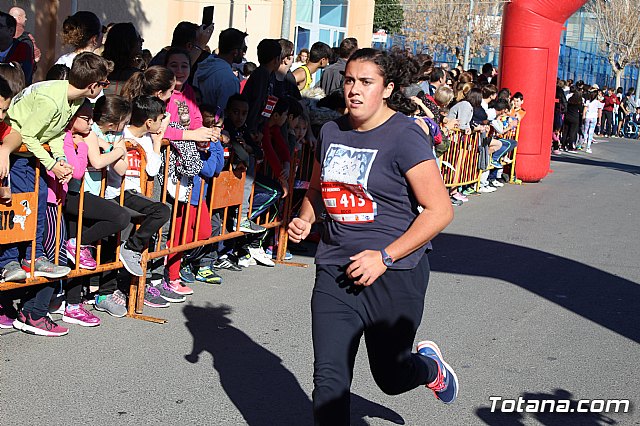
(367, 197)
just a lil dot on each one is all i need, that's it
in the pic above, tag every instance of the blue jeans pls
(507, 146)
(23, 177)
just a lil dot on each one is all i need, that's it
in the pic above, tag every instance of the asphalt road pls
(534, 293)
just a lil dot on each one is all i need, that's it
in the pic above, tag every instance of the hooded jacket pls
(216, 81)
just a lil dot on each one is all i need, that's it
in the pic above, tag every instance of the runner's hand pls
(298, 230)
(366, 267)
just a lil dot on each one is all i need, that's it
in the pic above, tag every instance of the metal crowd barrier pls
(225, 192)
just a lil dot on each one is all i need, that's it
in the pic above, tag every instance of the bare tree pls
(444, 23)
(617, 23)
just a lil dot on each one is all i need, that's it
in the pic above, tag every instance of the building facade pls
(329, 21)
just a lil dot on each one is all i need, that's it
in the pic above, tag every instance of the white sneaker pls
(261, 257)
(245, 261)
(486, 189)
(588, 151)
(496, 183)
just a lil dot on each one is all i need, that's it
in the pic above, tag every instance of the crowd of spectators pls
(219, 111)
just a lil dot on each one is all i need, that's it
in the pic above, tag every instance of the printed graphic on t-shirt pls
(345, 175)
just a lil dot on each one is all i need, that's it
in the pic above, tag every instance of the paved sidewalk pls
(534, 294)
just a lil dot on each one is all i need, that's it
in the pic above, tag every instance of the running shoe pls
(5, 321)
(269, 252)
(226, 262)
(86, 259)
(250, 227)
(207, 275)
(153, 299)
(261, 257)
(12, 271)
(80, 316)
(46, 269)
(131, 260)
(445, 385)
(168, 293)
(41, 327)
(186, 274)
(114, 304)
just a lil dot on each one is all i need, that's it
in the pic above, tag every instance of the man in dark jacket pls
(332, 76)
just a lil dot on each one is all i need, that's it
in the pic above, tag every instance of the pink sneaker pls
(458, 196)
(41, 327)
(86, 259)
(180, 288)
(5, 321)
(80, 316)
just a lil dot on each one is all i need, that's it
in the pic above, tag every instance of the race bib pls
(134, 161)
(348, 203)
(268, 108)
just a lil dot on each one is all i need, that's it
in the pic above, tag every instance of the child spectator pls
(11, 141)
(146, 129)
(13, 74)
(58, 72)
(267, 191)
(259, 88)
(212, 156)
(41, 113)
(247, 70)
(76, 152)
(101, 218)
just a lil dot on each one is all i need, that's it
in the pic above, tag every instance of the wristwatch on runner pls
(386, 259)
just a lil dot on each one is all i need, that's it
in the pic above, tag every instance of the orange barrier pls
(459, 164)
(225, 193)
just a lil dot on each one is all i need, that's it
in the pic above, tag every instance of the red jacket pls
(276, 151)
(609, 102)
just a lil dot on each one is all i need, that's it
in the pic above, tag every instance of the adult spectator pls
(488, 73)
(260, 85)
(437, 79)
(285, 82)
(13, 50)
(83, 32)
(21, 18)
(318, 59)
(301, 59)
(610, 101)
(215, 77)
(123, 47)
(193, 39)
(332, 77)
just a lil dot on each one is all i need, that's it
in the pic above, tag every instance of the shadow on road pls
(578, 159)
(599, 296)
(259, 385)
(563, 402)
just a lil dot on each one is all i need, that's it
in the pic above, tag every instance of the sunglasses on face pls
(89, 120)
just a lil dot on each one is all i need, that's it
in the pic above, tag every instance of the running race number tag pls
(268, 108)
(348, 203)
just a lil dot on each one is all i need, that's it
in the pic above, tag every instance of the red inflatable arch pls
(529, 53)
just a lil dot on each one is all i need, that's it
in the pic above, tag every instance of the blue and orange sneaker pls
(445, 386)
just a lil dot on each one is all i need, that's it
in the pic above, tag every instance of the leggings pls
(388, 313)
(101, 218)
